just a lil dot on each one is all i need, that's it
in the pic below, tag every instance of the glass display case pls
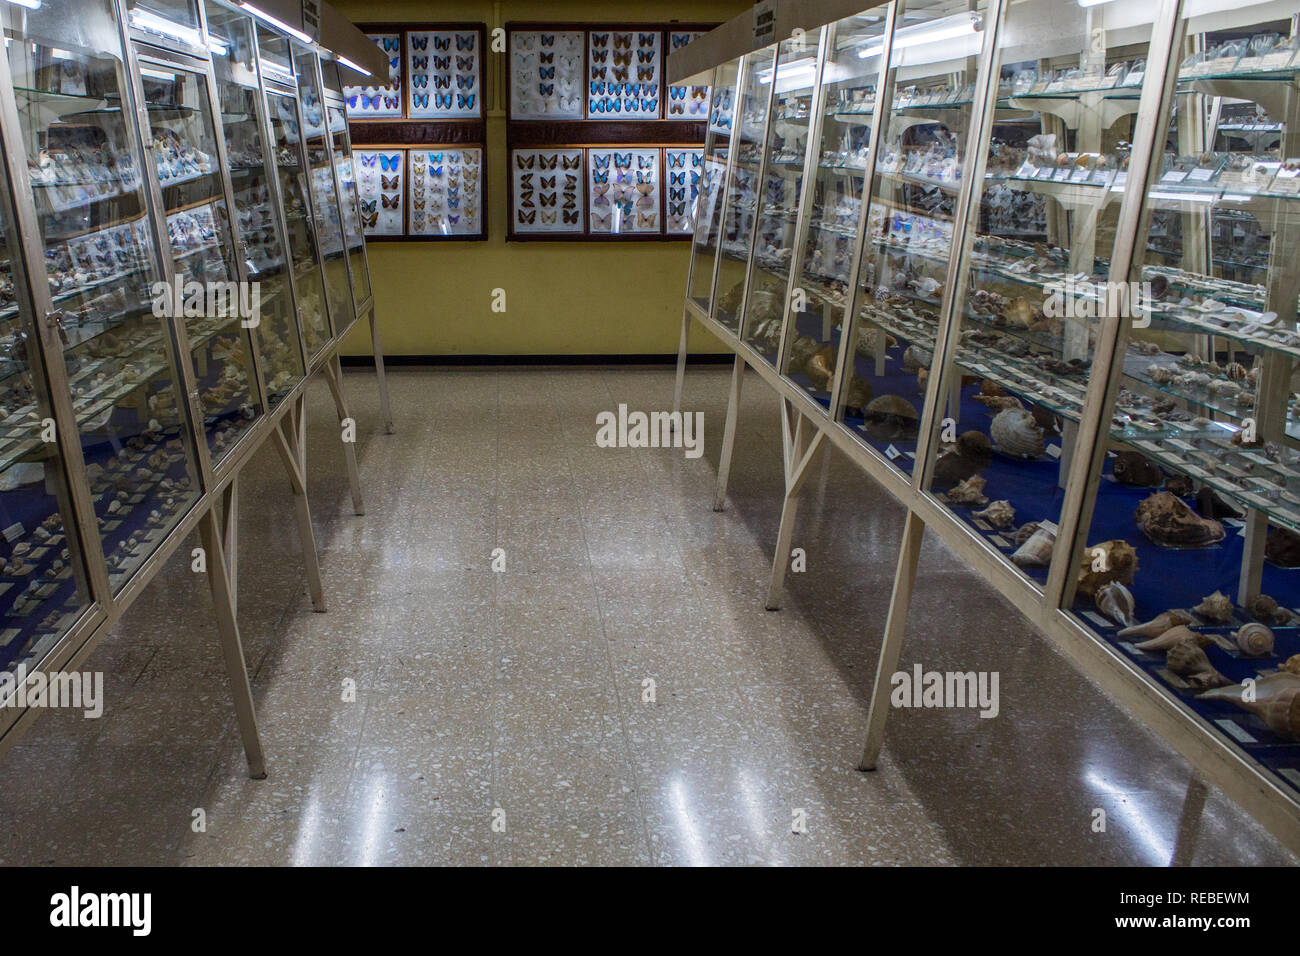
(102, 275)
(349, 197)
(256, 195)
(1035, 260)
(326, 208)
(708, 213)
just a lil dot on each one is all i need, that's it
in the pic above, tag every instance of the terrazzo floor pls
(502, 718)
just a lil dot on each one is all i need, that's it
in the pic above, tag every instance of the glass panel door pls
(217, 307)
(341, 144)
(708, 207)
(289, 162)
(324, 198)
(261, 242)
(85, 166)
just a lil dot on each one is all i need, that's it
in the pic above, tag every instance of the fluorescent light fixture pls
(1172, 196)
(353, 66)
(58, 54)
(1092, 3)
(157, 74)
(804, 69)
(152, 22)
(29, 4)
(949, 28)
(216, 46)
(278, 24)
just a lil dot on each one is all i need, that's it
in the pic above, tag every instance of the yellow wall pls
(572, 298)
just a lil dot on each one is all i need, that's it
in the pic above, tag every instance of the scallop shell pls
(1114, 560)
(1016, 433)
(968, 492)
(1116, 602)
(1171, 636)
(1158, 624)
(1215, 607)
(1000, 514)
(1036, 552)
(1254, 639)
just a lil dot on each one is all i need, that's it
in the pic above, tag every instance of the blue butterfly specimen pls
(602, 162)
(442, 62)
(419, 43)
(464, 102)
(442, 43)
(420, 101)
(435, 157)
(443, 102)
(390, 163)
(464, 41)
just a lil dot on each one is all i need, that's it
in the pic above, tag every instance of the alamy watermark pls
(922, 688)
(651, 430)
(213, 300)
(1070, 299)
(71, 690)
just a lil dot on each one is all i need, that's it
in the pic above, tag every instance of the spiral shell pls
(1016, 433)
(1178, 634)
(968, 492)
(1158, 625)
(1000, 514)
(1190, 662)
(1254, 639)
(1116, 602)
(1280, 713)
(1036, 552)
(1292, 665)
(1215, 607)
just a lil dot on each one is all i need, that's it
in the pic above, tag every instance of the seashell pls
(1236, 371)
(1019, 313)
(915, 357)
(821, 367)
(1116, 602)
(968, 456)
(1134, 468)
(998, 402)
(1264, 688)
(990, 387)
(1168, 522)
(859, 394)
(891, 417)
(1036, 552)
(1224, 387)
(1161, 374)
(1047, 420)
(1215, 607)
(1180, 486)
(1210, 505)
(1114, 560)
(1283, 548)
(968, 492)
(1264, 608)
(802, 348)
(1292, 665)
(1158, 625)
(1190, 662)
(1254, 639)
(1024, 532)
(1000, 514)
(1281, 712)
(1171, 636)
(1016, 433)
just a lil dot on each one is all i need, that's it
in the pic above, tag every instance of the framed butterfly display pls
(624, 188)
(683, 169)
(624, 79)
(546, 74)
(381, 189)
(444, 74)
(686, 102)
(547, 194)
(445, 191)
(379, 102)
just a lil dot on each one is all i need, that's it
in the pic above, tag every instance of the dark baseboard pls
(649, 358)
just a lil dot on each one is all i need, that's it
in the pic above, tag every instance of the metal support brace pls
(892, 645)
(385, 409)
(334, 378)
(729, 433)
(680, 382)
(798, 452)
(232, 648)
(292, 455)
(230, 536)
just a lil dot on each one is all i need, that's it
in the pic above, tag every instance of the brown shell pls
(890, 417)
(1134, 468)
(1167, 521)
(1120, 563)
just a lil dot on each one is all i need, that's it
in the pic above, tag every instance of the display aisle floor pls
(500, 717)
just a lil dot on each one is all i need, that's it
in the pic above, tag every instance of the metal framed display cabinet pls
(1027, 263)
(142, 162)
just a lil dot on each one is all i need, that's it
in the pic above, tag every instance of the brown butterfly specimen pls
(395, 202)
(392, 182)
(571, 162)
(528, 218)
(524, 162)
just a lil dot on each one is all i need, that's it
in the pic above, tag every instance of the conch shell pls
(1292, 665)
(1114, 560)
(1158, 625)
(968, 492)
(1016, 433)
(1190, 662)
(1215, 607)
(1263, 689)
(1000, 514)
(1177, 634)
(1254, 639)
(1036, 552)
(1281, 712)
(1167, 521)
(821, 367)
(1116, 602)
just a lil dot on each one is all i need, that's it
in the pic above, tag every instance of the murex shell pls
(1167, 521)
(1000, 514)
(968, 492)
(1016, 433)
(1215, 607)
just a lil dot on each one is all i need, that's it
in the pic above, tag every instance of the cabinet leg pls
(334, 377)
(799, 452)
(892, 646)
(285, 441)
(385, 408)
(729, 433)
(232, 648)
(230, 537)
(680, 381)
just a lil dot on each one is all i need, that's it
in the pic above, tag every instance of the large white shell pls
(1015, 432)
(1116, 602)
(1037, 551)
(1254, 639)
